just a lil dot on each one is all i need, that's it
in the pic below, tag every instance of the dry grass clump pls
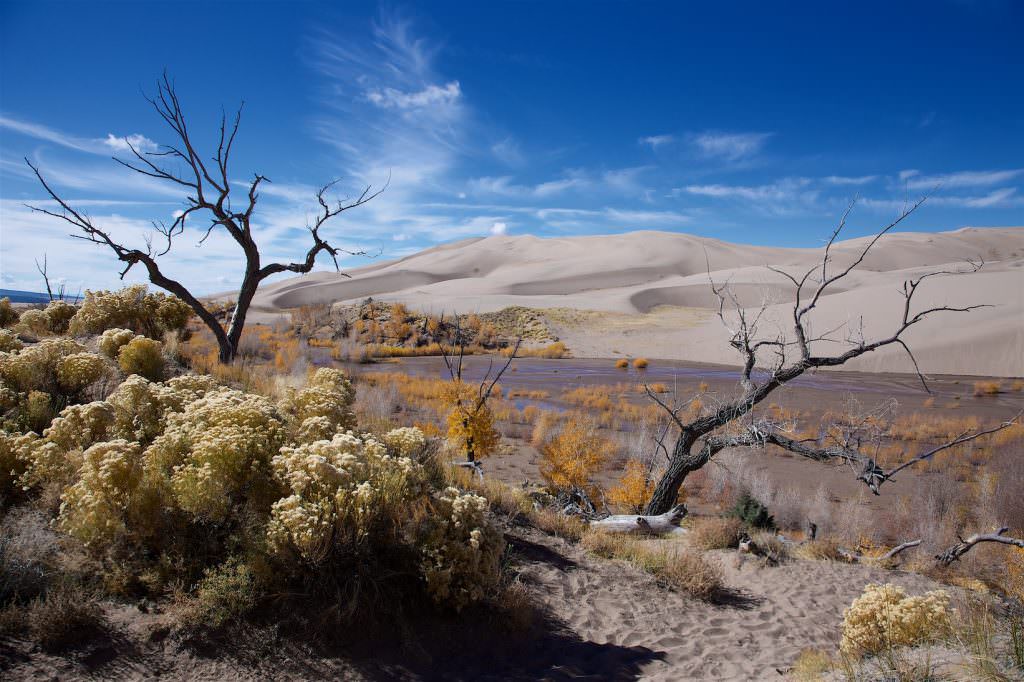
(716, 533)
(641, 363)
(884, 617)
(679, 569)
(622, 363)
(983, 388)
(554, 351)
(63, 617)
(8, 315)
(821, 550)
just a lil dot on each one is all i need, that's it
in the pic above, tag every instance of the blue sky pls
(747, 122)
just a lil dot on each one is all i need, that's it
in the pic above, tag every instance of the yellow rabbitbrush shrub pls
(142, 356)
(34, 321)
(111, 340)
(9, 341)
(95, 508)
(78, 370)
(885, 618)
(346, 492)
(34, 368)
(58, 316)
(130, 308)
(461, 550)
(8, 315)
(322, 408)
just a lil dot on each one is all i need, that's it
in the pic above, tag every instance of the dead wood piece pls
(639, 523)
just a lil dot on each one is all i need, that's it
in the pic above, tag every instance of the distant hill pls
(17, 296)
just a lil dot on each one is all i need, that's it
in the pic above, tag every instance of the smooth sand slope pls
(651, 290)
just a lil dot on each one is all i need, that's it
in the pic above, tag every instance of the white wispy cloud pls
(655, 141)
(499, 228)
(729, 146)
(103, 145)
(842, 180)
(959, 179)
(430, 96)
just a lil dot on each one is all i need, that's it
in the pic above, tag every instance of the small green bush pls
(752, 512)
(142, 356)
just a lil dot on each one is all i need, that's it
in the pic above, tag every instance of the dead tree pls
(61, 294)
(469, 408)
(700, 438)
(207, 188)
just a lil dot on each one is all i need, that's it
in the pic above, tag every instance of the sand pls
(603, 620)
(650, 294)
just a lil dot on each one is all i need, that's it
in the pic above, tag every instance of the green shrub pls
(226, 594)
(142, 356)
(751, 512)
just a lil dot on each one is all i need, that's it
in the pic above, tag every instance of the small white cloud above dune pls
(729, 146)
(499, 229)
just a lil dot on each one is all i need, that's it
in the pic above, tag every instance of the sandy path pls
(771, 616)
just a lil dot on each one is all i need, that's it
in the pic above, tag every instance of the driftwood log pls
(964, 546)
(639, 523)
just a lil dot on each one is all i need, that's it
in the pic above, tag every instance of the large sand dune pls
(652, 291)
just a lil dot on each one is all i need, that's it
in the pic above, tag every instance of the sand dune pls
(638, 274)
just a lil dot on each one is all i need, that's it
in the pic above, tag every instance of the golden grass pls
(622, 363)
(715, 532)
(684, 570)
(984, 388)
(641, 363)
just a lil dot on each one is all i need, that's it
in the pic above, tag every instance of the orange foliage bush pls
(573, 454)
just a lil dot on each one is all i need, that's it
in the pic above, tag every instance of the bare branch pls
(963, 546)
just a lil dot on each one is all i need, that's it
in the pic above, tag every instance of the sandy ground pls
(647, 293)
(603, 620)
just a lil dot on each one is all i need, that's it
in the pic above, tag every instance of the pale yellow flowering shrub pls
(79, 426)
(38, 410)
(329, 394)
(139, 407)
(460, 550)
(95, 508)
(884, 617)
(9, 341)
(217, 450)
(111, 340)
(35, 367)
(13, 460)
(130, 308)
(78, 370)
(405, 441)
(142, 356)
(346, 492)
(35, 321)
(58, 316)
